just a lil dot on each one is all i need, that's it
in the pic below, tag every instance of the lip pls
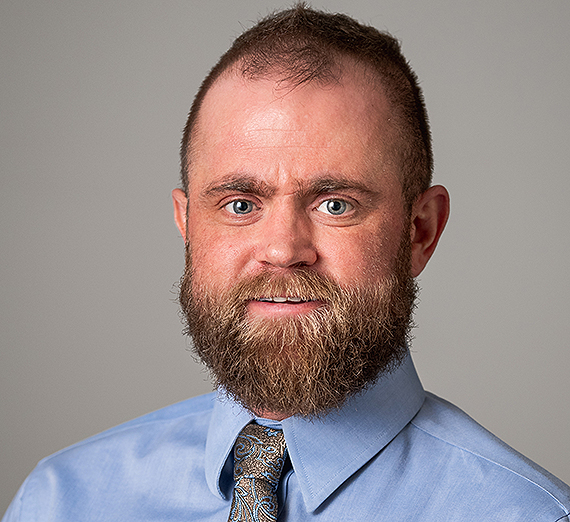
(276, 307)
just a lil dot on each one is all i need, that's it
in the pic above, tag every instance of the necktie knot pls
(259, 456)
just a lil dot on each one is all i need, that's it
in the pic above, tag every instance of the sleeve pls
(34, 500)
(13, 513)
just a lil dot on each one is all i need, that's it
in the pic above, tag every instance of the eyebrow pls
(243, 184)
(324, 185)
(250, 185)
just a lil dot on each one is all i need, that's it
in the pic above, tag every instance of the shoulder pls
(194, 409)
(191, 416)
(474, 457)
(116, 462)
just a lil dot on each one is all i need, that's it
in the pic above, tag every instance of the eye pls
(240, 206)
(335, 207)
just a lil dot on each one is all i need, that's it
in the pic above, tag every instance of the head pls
(306, 211)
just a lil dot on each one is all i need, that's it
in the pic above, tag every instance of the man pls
(307, 211)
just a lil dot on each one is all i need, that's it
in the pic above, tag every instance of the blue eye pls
(334, 207)
(240, 206)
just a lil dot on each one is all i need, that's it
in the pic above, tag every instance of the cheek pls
(360, 257)
(217, 258)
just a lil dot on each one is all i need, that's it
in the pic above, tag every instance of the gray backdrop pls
(93, 98)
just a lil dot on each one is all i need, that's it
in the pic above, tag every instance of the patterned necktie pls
(259, 455)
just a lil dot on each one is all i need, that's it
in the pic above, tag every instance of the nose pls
(286, 239)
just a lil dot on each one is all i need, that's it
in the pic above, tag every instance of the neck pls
(270, 415)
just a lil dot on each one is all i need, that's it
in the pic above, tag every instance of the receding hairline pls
(304, 44)
(362, 74)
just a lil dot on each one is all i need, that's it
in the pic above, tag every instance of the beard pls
(305, 364)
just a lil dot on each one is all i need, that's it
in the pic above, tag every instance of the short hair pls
(303, 45)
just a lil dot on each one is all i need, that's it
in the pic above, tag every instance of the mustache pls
(307, 285)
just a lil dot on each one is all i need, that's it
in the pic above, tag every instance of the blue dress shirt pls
(392, 453)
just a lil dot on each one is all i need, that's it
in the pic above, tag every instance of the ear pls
(180, 202)
(429, 216)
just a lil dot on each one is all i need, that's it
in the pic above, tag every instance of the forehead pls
(299, 129)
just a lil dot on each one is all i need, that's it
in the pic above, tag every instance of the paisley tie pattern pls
(259, 455)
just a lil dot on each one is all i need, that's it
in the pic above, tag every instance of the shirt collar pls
(347, 438)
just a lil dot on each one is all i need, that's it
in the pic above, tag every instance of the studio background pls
(93, 98)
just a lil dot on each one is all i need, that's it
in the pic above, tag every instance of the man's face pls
(287, 181)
